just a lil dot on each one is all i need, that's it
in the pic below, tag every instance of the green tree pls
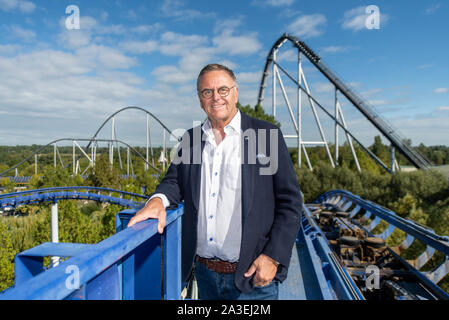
(108, 221)
(7, 184)
(7, 254)
(258, 112)
(103, 174)
(76, 227)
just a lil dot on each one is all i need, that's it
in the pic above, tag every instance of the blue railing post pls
(172, 260)
(127, 265)
(141, 268)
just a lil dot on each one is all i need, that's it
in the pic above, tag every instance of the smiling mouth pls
(218, 106)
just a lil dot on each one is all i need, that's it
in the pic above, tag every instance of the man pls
(242, 203)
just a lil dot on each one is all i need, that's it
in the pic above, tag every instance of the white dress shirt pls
(220, 207)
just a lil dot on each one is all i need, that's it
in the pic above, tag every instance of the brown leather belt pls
(218, 266)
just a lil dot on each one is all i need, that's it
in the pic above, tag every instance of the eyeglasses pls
(222, 91)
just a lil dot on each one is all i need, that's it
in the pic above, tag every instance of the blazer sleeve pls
(171, 184)
(288, 208)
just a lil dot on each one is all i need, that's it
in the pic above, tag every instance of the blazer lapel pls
(248, 172)
(196, 152)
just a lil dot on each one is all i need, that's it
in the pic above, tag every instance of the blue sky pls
(57, 83)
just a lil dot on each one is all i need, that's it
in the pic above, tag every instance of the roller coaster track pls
(331, 258)
(392, 134)
(95, 139)
(123, 198)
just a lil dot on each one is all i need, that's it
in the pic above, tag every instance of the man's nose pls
(216, 96)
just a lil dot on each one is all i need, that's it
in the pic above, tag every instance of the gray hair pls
(215, 67)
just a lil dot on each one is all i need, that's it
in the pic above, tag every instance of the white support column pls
(336, 126)
(312, 105)
(299, 109)
(54, 230)
(92, 155)
(127, 161)
(95, 153)
(148, 141)
(54, 155)
(163, 149)
(111, 148)
(73, 158)
(348, 138)
(274, 83)
(284, 93)
(393, 159)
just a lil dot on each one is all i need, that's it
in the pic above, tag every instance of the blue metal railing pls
(138, 263)
(135, 263)
(346, 200)
(123, 198)
(325, 279)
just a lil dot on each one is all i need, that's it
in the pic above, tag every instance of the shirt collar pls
(235, 125)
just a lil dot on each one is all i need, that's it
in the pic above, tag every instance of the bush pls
(7, 253)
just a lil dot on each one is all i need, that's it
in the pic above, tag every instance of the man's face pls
(219, 110)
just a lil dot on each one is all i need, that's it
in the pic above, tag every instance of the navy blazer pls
(271, 204)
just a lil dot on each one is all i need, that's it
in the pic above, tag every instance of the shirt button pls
(216, 173)
(211, 239)
(213, 194)
(211, 216)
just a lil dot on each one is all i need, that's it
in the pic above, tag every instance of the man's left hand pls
(265, 269)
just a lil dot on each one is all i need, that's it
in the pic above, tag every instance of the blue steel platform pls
(137, 263)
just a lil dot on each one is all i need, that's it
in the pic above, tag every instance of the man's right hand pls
(154, 209)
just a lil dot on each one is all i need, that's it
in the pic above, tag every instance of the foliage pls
(258, 112)
(103, 174)
(422, 196)
(7, 254)
(7, 185)
(55, 177)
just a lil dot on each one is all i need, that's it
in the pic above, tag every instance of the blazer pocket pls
(260, 245)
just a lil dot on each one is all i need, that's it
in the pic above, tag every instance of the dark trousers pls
(220, 286)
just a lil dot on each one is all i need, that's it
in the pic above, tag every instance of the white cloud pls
(175, 9)
(146, 28)
(55, 82)
(171, 74)
(433, 8)
(105, 57)
(248, 77)
(441, 90)
(322, 87)
(272, 3)
(354, 19)
(245, 44)
(139, 47)
(426, 66)
(175, 44)
(9, 48)
(443, 108)
(16, 31)
(308, 26)
(225, 39)
(228, 25)
(335, 49)
(287, 55)
(21, 5)
(77, 38)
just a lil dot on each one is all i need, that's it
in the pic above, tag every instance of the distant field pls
(443, 169)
